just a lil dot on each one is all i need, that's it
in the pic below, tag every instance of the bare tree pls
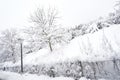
(46, 28)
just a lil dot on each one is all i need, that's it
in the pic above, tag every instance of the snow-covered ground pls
(16, 76)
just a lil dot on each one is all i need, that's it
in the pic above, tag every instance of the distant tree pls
(46, 29)
(114, 17)
(8, 42)
(77, 31)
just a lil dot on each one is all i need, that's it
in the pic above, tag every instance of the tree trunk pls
(13, 54)
(50, 46)
(80, 64)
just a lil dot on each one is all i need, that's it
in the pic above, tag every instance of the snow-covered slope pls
(101, 45)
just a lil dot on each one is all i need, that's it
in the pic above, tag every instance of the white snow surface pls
(101, 45)
(16, 76)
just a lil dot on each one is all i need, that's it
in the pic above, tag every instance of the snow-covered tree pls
(114, 17)
(46, 29)
(8, 42)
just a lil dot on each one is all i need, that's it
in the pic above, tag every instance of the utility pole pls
(21, 57)
(21, 52)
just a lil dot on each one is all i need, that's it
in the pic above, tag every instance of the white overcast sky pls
(15, 13)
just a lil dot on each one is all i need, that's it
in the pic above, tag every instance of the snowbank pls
(102, 45)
